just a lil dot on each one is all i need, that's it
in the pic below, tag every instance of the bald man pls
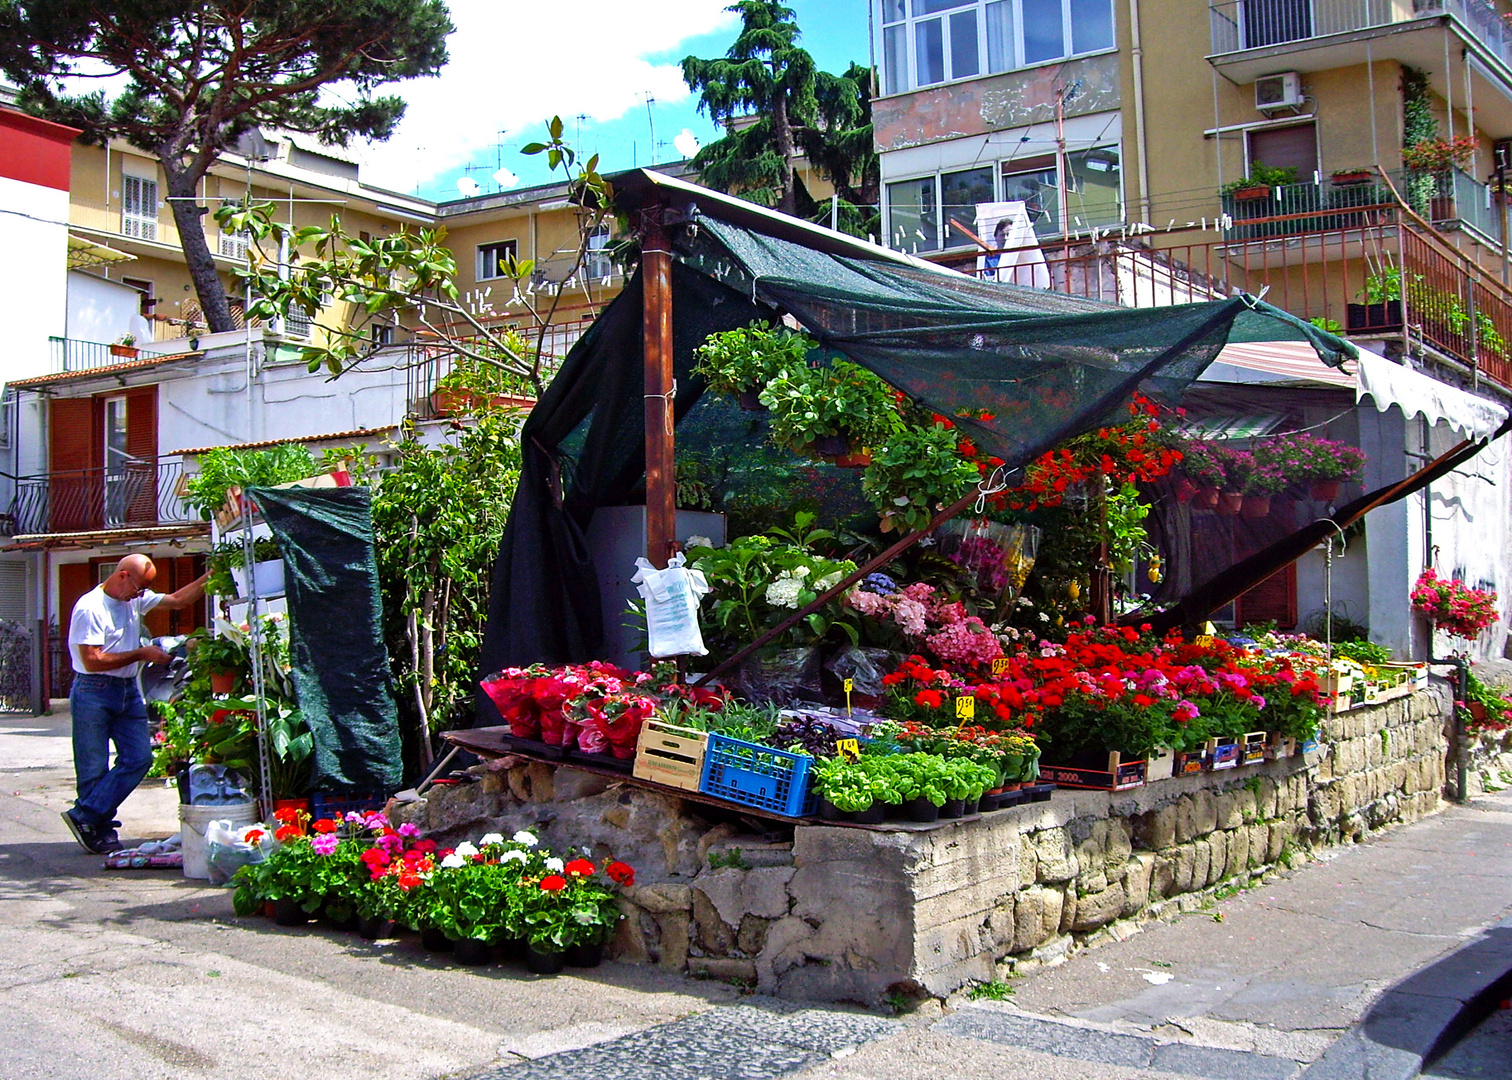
(105, 639)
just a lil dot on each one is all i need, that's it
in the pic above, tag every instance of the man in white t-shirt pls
(105, 641)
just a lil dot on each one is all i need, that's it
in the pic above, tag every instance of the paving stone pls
(1221, 1064)
(1048, 1037)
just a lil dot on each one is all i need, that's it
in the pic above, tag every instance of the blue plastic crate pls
(335, 804)
(757, 776)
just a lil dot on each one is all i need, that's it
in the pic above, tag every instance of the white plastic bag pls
(672, 597)
(227, 850)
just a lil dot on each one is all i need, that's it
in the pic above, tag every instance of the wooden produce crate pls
(671, 755)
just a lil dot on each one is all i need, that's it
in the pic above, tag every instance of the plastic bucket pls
(195, 820)
(268, 576)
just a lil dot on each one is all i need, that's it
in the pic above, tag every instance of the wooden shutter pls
(172, 575)
(74, 491)
(74, 580)
(142, 446)
(1296, 145)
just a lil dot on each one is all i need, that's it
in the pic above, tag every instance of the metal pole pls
(259, 688)
(661, 389)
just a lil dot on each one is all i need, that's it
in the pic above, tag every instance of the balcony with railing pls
(133, 494)
(1238, 25)
(1376, 270)
(1449, 197)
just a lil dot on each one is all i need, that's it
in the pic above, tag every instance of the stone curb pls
(1422, 1017)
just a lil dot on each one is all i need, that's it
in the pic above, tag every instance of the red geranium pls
(621, 873)
(580, 868)
(324, 825)
(553, 883)
(286, 832)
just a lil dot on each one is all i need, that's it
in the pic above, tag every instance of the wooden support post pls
(661, 479)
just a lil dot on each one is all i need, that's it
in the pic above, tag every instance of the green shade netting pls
(1045, 365)
(340, 665)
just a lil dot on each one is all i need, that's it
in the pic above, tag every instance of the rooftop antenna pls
(651, 119)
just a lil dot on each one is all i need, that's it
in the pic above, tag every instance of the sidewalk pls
(133, 974)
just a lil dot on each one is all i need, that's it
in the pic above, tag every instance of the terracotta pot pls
(1256, 506)
(1230, 503)
(1250, 194)
(858, 460)
(1207, 496)
(1477, 710)
(1325, 490)
(222, 682)
(128, 352)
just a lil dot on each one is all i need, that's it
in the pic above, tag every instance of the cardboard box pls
(1120, 775)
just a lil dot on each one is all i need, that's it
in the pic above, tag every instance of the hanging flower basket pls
(1325, 490)
(1256, 506)
(1453, 606)
(1230, 503)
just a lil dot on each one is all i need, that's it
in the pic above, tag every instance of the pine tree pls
(203, 73)
(775, 105)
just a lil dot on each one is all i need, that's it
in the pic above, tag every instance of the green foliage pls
(991, 990)
(1327, 325)
(732, 859)
(1363, 652)
(197, 77)
(1262, 176)
(915, 475)
(222, 469)
(438, 516)
(749, 357)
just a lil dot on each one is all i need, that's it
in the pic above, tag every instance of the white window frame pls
(512, 245)
(139, 206)
(1015, 60)
(596, 262)
(233, 245)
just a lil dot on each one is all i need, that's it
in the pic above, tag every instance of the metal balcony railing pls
(1375, 269)
(1451, 195)
(138, 493)
(71, 354)
(1303, 207)
(1252, 24)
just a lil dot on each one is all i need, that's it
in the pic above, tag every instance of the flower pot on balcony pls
(1230, 503)
(267, 576)
(126, 352)
(1256, 506)
(1385, 316)
(1251, 194)
(1345, 179)
(1324, 490)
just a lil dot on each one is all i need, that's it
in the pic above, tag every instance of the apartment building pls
(115, 384)
(1105, 148)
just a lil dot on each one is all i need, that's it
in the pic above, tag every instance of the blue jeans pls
(107, 709)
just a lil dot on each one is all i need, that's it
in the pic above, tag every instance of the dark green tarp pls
(1046, 366)
(340, 665)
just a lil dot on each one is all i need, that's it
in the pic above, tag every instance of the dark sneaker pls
(89, 839)
(107, 841)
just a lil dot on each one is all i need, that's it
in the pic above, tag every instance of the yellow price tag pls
(965, 708)
(849, 685)
(1203, 640)
(1000, 665)
(848, 748)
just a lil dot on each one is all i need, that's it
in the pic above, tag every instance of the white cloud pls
(515, 64)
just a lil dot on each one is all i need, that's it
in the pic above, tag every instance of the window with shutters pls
(233, 245)
(139, 200)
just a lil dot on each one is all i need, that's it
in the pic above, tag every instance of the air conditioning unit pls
(1280, 91)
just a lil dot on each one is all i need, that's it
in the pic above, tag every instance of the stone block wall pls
(834, 913)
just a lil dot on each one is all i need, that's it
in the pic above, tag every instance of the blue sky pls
(475, 117)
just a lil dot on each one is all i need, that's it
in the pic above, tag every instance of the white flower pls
(526, 838)
(584, 918)
(466, 850)
(698, 541)
(490, 838)
(1044, 616)
(827, 581)
(452, 861)
(512, 855)
(554, 865)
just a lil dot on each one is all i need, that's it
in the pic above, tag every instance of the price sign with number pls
(1000, 665)
(965, 708)
(848, 748)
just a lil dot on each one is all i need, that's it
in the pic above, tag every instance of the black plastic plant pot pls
(1011, 798)
(953, 808)
(750, 401)
(288, 912)
(512, 948)
(337, 920)
(472, 952)
(585, 956)
(828, 811)
(832, 445)
(973, 806)
(922, 810)
(988, 803)
(373, 927)
(872, 815)
(544, 963)
(435, 940)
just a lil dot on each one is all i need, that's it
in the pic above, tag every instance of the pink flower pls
(325, 844)
(409, 829)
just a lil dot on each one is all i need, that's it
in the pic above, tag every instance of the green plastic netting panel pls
(1044, 364)
(340, 665)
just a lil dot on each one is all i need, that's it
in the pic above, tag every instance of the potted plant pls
(267, 572)
(1440, 154)
(1453, 606)
(568, 908)
(124, 346)
(741, 362)
(1382, 296)
(469, 898)
(1349, 177)
(219, 470)
(284, 877)
(1259, 182)
(474, 384)
(223, 660)
(1263, 479)
(831, 411)
(1203, 462)
(916, 474)
(1324, 464)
